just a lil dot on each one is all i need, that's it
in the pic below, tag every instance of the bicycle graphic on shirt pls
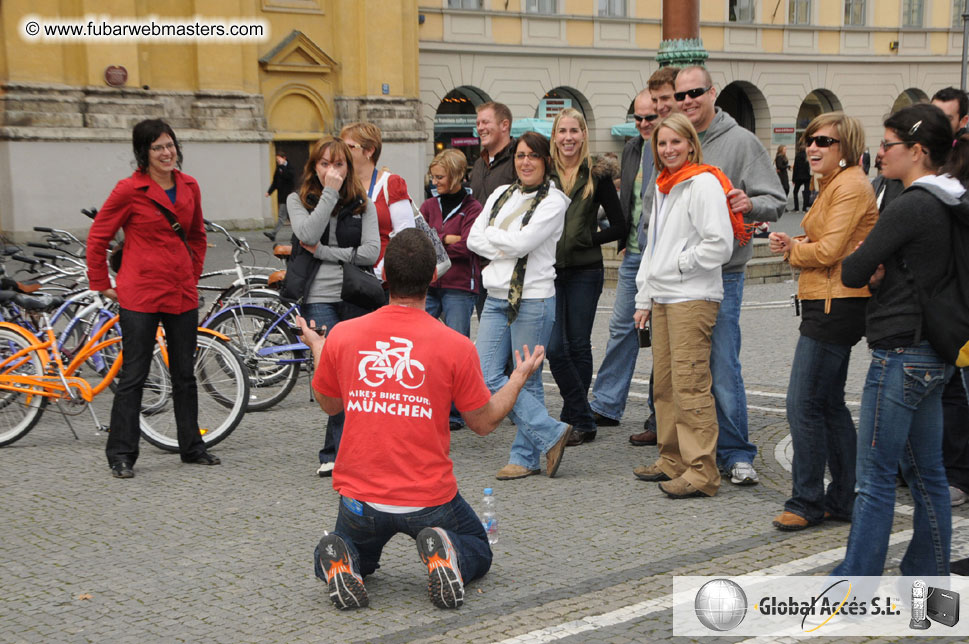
(385, 363)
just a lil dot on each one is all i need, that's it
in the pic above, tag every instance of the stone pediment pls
(297, 53)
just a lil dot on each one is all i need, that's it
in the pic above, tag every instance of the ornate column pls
(681, 45)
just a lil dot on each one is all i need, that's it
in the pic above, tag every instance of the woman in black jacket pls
(578, 268)
(801, 175)
(907, 251)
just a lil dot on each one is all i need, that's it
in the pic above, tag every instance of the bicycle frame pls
(266, 351)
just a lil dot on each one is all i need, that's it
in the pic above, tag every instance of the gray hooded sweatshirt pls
(740, 155)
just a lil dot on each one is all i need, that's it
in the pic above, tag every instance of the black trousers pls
(807, 197)
(138, 333)
(955, 431)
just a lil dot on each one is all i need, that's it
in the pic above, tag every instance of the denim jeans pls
(822, 431)
(901, 425)
(611, 389)
(728, 382)
(577, 293)
(328, 314)
(366, 534)
(455, 308)
(138, 330)
(497, 340)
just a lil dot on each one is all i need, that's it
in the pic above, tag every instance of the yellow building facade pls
(278, 75)
(776, 63)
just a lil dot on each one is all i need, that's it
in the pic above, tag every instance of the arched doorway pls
(909, 97)
(746, 104)
(820, 101)
(454, 121)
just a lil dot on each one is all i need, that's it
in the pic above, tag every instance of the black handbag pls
(361, 287)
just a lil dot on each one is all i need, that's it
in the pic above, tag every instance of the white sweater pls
(537, 240)
(690, 237)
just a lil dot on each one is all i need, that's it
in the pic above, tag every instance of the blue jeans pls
(497, 339)
(822, 431)
(454, 307)
(328, 314)
(901, 425)
(611, 388)
(728, 382)
(577, 293)
(366, 534)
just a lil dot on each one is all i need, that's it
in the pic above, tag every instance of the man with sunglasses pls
(759, 196)
(611, 387)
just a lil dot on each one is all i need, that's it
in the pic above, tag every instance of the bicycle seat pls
(43, 302)
(276, 278)
(282, 251)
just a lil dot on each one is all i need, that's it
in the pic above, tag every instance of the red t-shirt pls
(397, 371)
(396, 191)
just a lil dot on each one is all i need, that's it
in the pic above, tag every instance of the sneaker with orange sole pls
(344, 583)
(444, 584)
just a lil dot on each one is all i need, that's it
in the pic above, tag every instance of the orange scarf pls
(742, 232)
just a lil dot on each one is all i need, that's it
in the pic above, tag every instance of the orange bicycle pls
(33, 373)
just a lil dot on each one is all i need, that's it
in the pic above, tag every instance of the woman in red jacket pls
(156, 283)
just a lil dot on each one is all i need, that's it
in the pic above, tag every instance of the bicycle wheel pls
(272, 373)
(19, 412)
(222, 378)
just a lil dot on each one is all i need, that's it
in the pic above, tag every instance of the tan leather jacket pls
(842, 215)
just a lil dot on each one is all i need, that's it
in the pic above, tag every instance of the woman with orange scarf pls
(680, 289)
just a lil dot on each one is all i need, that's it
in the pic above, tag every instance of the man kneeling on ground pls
(395, 372)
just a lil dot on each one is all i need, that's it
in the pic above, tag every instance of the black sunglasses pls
(649, 118)
(696, 92)
(820, 141)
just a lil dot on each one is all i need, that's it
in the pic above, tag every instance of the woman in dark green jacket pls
(578, 267)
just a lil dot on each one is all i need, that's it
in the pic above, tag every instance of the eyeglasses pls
(885, 145)
(534, 156)
(820, 141)
(161, 148)
(696, 92)
(649, 118)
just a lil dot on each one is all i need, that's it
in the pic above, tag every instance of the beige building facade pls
(775, 63)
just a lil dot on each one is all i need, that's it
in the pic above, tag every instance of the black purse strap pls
(176, 228)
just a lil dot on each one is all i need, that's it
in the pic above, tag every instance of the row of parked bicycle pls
(60, 342)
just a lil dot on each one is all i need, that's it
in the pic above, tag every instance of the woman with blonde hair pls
(832, 321)
(452, 212)
(386, 190)
(579, 270)
(680, 290)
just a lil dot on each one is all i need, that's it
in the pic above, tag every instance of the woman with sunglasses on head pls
(386, 190)
(517, 230)
(832, 321)
(157, 283)
(578, 267)
(680, 289)
(332, 218)
(907, 251)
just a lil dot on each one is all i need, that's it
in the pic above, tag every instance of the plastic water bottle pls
(489, 515)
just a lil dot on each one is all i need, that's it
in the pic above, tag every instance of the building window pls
(799, 12)
(465, 4)
(612, 8)
(741, 11)
(912, 13)
(957, 8)
(541, 6)
(855, 13)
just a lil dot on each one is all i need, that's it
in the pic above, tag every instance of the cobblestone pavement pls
(224, 554)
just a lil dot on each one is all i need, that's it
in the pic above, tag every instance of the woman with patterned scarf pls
(518, 230)
(680, 290)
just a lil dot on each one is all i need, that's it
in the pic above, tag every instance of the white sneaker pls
(956, 496)
(326, 469)
(743, 474)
